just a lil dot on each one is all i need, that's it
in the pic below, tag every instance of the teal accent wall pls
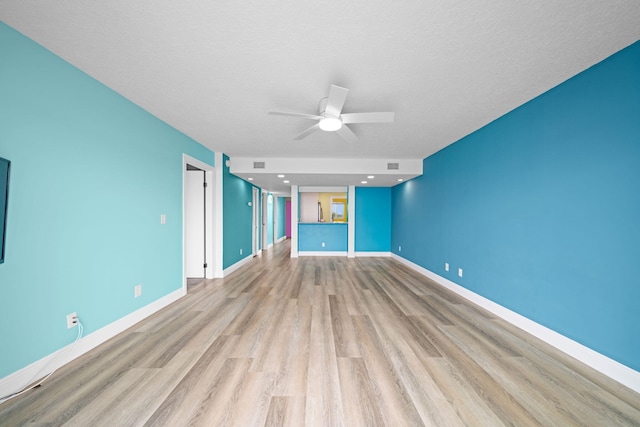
(541, 209)
(237, 217)
(311, 236)
(91, 173)
(373, 219)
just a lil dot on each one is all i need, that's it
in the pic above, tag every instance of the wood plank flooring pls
(324, 342)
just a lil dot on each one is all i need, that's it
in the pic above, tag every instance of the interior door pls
(195, 240)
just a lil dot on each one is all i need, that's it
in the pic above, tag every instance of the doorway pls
(255, 232)
(200, 259)
(265, 221)
(287, 219)
(195, 228)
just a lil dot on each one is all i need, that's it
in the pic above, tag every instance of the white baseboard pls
(611, 368)
(16, 381)
(238, 264)
(281, 239)
(373, 254)
(322, 253)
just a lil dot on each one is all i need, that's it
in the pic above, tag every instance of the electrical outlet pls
(240, 251)
(446, 266)
(137, 291)
(323, 244)
(163, 219)
(460, 272)
(72, 320)
(399, 248)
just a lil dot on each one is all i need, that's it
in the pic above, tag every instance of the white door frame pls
(265, 218)
(255, 218)
(275, 218)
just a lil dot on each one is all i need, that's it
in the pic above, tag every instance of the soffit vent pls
(393, 166)
(258, 165)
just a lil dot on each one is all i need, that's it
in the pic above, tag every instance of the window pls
(338, 209)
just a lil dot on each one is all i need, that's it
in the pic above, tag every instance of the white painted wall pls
(294, 221)
(309, 207)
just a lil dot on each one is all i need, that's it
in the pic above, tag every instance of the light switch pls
(163, 219)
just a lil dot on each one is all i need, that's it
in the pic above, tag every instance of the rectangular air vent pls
(258, 165)
(393, 166)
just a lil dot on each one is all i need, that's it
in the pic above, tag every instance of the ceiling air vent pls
(258, 165)
(393, 166)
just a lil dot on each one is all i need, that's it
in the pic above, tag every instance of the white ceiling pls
(213, 69)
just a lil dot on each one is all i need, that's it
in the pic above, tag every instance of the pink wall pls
(287, 218)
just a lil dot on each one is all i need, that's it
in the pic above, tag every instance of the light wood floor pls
(324, 342)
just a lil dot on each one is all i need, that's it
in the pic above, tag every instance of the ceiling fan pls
(331, 119)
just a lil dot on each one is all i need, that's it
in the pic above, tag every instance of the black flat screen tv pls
(5, 168)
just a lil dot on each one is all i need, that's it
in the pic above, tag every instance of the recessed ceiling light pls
(371, 177)
(281, 176)
(363, 182)
(400, 179)
(286, 181)
(250, 179)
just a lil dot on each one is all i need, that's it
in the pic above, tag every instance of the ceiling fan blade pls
(367, 117)
(337, 96)
(347, 134)
(308, 132)
(301, 116)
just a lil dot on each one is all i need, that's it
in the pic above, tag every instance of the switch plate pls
(163, 218)
(137, 291)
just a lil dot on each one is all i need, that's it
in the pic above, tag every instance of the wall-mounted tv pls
(5, 168)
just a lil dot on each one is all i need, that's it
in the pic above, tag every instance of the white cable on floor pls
(39, 383)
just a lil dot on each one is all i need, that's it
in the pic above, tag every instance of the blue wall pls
(91, 174)
(237, 217)
(541, 209)
(373, 219)
(311, 236)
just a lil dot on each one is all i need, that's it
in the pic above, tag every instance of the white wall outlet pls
(323, 244)
(399, 248)
(163, 218)
(137, 291)
(240, 251)
(460, 272)
(72, 320)
(446, 266)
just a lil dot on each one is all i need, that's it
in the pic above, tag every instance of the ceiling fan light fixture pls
(330, 124)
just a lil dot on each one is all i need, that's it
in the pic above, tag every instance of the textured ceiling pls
(213, 69)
